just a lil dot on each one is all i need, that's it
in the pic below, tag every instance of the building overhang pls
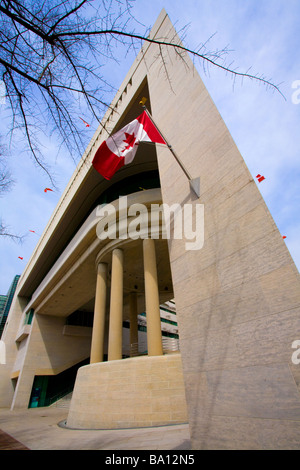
(70, 283)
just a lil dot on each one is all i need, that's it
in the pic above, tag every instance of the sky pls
(261, 34)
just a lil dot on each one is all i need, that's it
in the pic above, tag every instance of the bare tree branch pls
(4, 232)
(51, 54)
(204, 57)
(6, 184)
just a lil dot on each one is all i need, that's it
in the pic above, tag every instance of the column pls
(154, 337)
(99, 315)
(133, 332)
(116, 307)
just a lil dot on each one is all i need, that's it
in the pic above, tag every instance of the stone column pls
(116, 307)
(154, 337)
(133, 332)
(99, 315)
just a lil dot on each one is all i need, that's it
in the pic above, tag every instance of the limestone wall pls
(238, 297)
(136, 392)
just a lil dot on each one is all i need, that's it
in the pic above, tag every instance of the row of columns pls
(154, 337)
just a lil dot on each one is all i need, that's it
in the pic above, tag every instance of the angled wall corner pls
(238, 298)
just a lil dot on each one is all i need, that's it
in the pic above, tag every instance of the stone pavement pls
(43, 429)
(9, 443)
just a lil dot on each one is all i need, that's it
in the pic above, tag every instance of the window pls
(28, 317)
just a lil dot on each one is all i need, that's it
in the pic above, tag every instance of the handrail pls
(50, 400)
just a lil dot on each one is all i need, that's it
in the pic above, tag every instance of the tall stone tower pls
(238, 297)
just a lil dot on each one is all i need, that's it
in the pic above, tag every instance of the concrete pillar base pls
(136, 392)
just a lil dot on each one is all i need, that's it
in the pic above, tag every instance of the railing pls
(134, 350)
(169, 345)
(51, 400)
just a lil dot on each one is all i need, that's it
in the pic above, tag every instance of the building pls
(5, 303)
(3, 299)
(232, 378)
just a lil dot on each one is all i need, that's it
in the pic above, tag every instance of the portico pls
(133, 275)
(154, 336)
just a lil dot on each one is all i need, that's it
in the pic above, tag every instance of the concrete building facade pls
(237, 298)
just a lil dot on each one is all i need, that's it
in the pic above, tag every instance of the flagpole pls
(194, 182)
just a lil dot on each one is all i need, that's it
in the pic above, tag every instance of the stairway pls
(64, 402)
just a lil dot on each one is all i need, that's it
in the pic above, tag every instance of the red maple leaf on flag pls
(130, 140)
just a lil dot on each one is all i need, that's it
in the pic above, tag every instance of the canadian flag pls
(120, 148)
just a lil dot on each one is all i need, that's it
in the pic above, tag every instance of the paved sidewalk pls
(43, 429)
(9, 443)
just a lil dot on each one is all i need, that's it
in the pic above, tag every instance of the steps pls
(64, 402)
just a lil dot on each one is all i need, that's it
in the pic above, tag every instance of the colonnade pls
(154, 336)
